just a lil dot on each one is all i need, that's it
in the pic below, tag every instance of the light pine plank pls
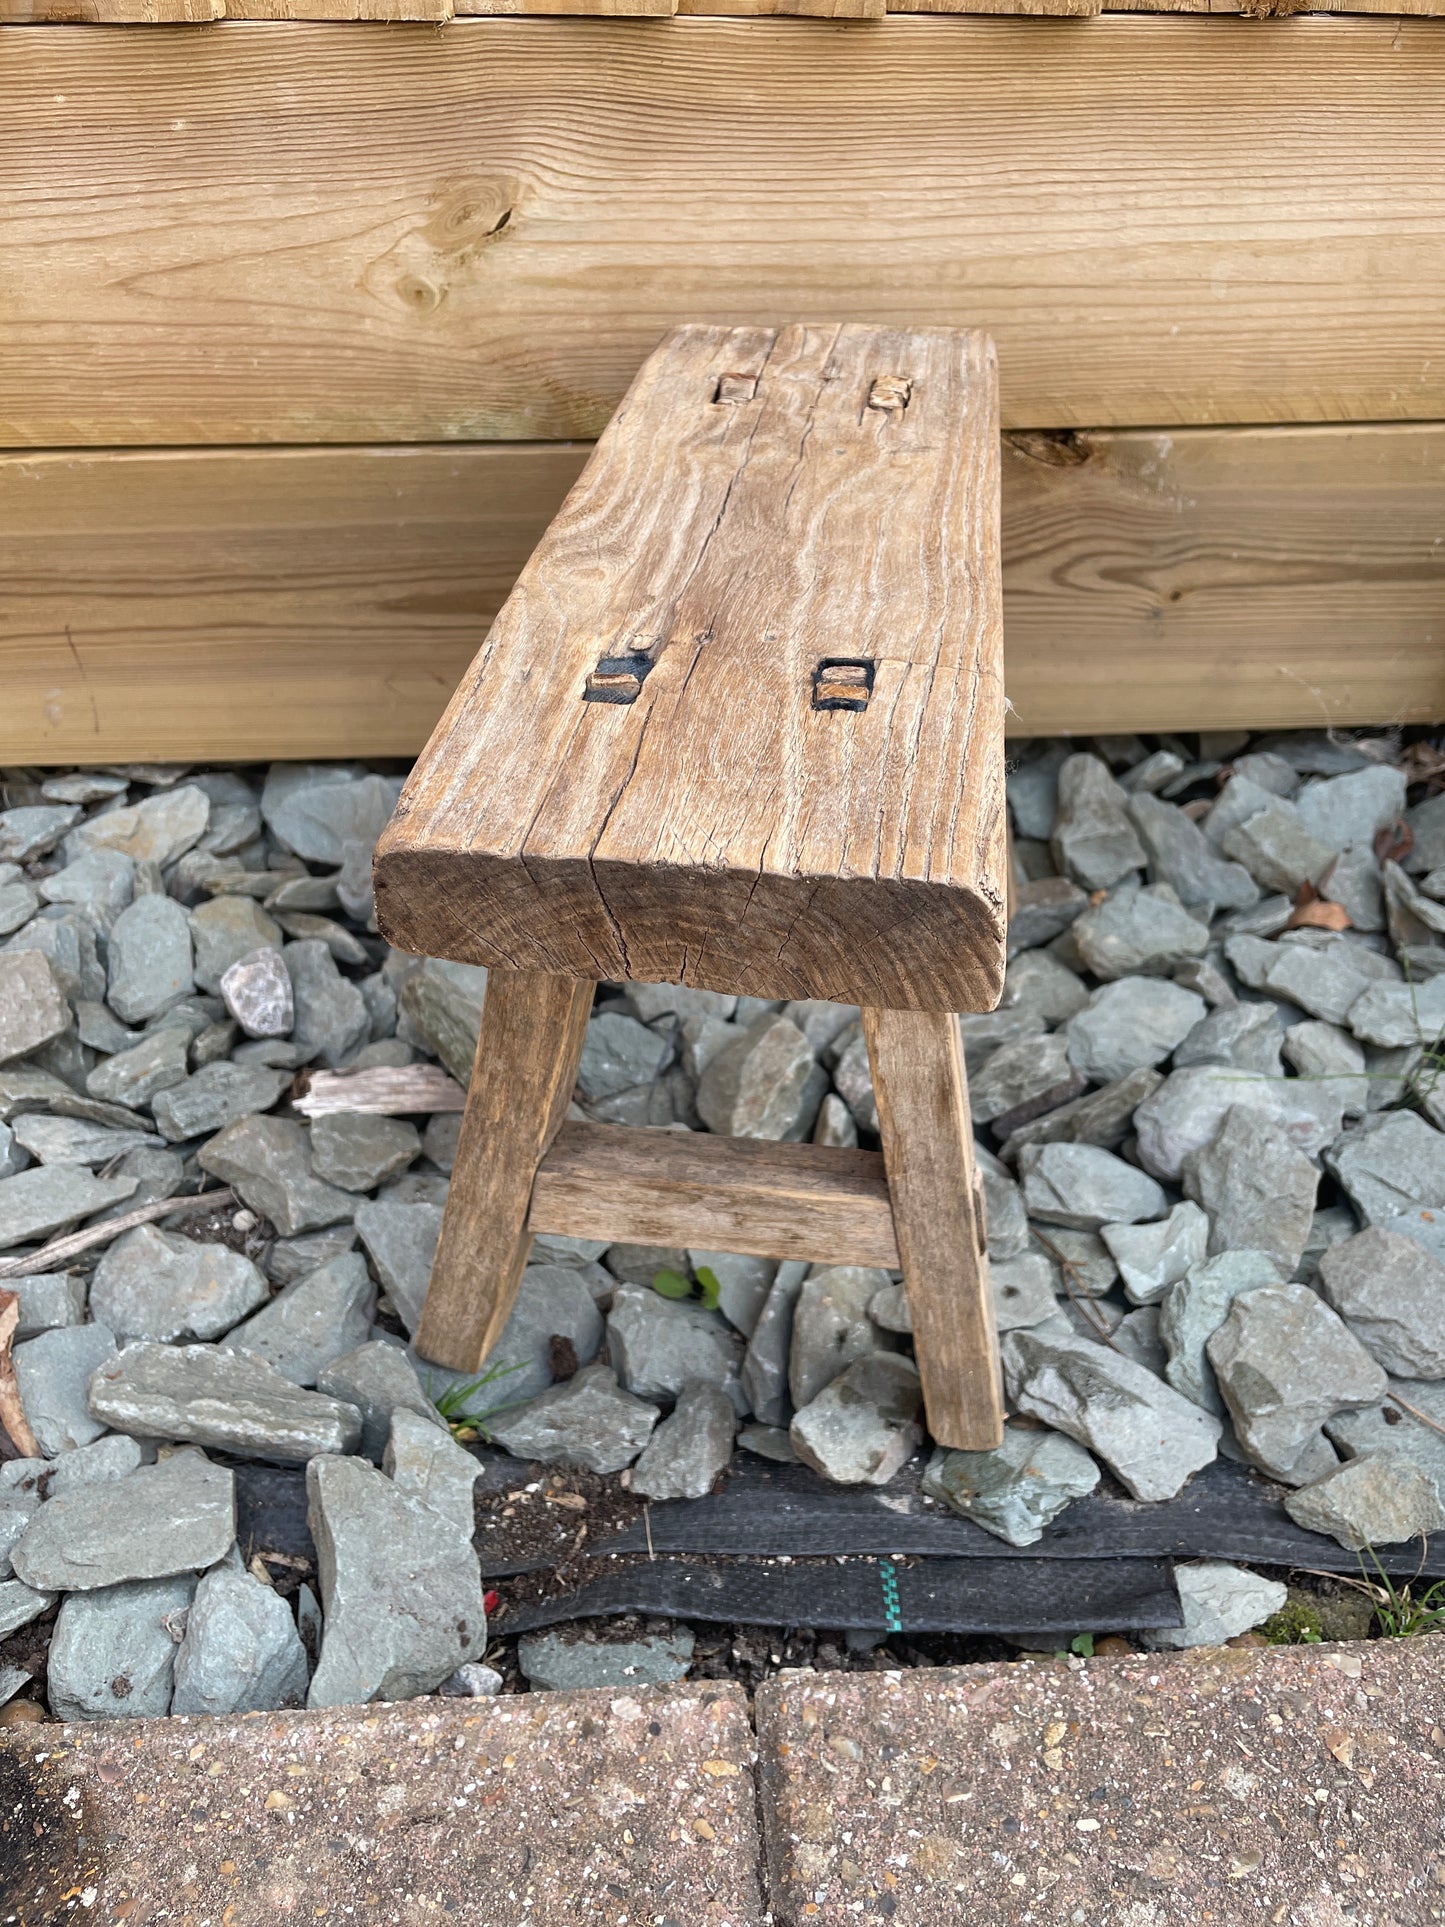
(726, 828)
(360, 10)
(110, 13)
(795, 9)
(596, 8)
(722, 1193)
(326, 602)
(923, 1118)
(528, 1049)
(484, 232)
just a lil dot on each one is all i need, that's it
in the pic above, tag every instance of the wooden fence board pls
(322, 233)
(324, 602)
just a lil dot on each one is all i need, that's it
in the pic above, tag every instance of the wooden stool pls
(740, 726)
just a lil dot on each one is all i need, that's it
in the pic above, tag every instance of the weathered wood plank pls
(528, 1048)
(326, 602)
(923, 1118)
(483, 233)
(646, 772)
(720, 1193)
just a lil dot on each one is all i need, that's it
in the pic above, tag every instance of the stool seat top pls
(740, 723)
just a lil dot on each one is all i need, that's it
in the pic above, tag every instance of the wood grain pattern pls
(726, 828)
(326, 602)
(528, 1047)
(335, 235)
(923, 1119)
(721, 1193)
(109, 13)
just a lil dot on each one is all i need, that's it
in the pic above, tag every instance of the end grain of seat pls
(739, 724)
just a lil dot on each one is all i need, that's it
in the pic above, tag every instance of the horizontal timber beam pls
(720, 1193)
(327, 233)
(249, 603)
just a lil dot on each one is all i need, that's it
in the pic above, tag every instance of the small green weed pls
(466, 1427)
(1398, 1613)
(672, 1284)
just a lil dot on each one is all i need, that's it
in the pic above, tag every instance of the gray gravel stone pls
(559, 1662)
(1016, 1490)
(588, 1421)
(331, 1018)
(1137, 1336)
(209, 1397)
(268, 1160)
(99, 885)
(1397, 1014)
(33, 1005)
(34, 829)
(401, 1591)
(18, 899)
(553, 1302)
(312, 1321)
(1034, 1072)
(225, 930)
(401, 1240)
(1257, 1188)
(1138, 932)
(155, 1284)
(619, 1053)
(149, 959)
(158, 830)
(1324, 1052)
(359, 1152)
(19, 1604)
(743, 1284)
(1355, 884)
(1285, 1362)
(1245, 1037)
(1006, 1221)
(1327, 979)
(1102, 1117)
(1131, 1024)
(113, 1653)
(69, 943)
(70, 1140)
(256, 989)
(439, 1008)
(216, 1096)
(378, 1380)
(1192, 1311)
(640, 1264)
(1042, 911)
(1276, 848)
(1023, 1291)
(831, 1326)
(1386, 1165)
(111, 1457)
(52, 1372)
(48, 1300)
(1180, 855)
(1093, 838)
(1084, 1187)
(765, 1365)
(1185, 1113)
(863, 1426)
(293, 1258)
(422, 1459)
(657, 1345)
(1038, 985)
(689, 1451)
(1377, 1501)
(1219, 1602)
(1390, 1291)
(1390, 1428)
(765, 1083)
(1033, 790)
(241, 1652)
(1343, 811)
(332, 821)
(155, 1522)
(135, 1076)
(1145, 1432)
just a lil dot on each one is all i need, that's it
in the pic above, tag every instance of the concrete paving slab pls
(1301, 1787)
(531, 1811)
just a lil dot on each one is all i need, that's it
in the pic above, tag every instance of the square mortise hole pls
(843, 682)
(735, 388)
(890, 393)
(616, 679)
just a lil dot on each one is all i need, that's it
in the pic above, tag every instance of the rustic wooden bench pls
(739, 726)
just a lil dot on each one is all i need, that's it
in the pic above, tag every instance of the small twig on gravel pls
(59, 1250)
(1084, 1306)
(1415, 1413)
(12, 1412)
(383, 1091)
(647, 1522)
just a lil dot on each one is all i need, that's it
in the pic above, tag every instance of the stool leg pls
(922, 1093)
(526, 1064)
